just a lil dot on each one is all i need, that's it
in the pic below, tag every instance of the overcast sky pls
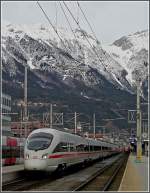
(109, 19)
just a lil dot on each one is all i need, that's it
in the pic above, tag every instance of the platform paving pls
(14, 168)
(135, 177)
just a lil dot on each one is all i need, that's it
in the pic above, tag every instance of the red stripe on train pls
(70, 154)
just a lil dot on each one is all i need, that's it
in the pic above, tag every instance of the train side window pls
(64, 146)
(4, 101)
(80, 147)
(61, 147)
(91, 148)
(72, 147)
(97, 148)
(86, 148)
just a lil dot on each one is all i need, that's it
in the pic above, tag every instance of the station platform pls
(11, 172)
(14, 168)
(135, 177)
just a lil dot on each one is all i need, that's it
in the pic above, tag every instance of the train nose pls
(35, 164)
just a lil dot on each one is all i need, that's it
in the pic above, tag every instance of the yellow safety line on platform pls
(131, 180)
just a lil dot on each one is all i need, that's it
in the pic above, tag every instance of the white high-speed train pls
(49, 149)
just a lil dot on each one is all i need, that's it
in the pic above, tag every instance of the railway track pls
(25, 183)
(103, 179)
(77, 180)
(66, 182)
(17, 184)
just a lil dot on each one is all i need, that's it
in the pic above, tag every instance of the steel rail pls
(112, 178)
(100, 172)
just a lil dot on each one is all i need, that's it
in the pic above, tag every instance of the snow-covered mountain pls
(132, 53)
(80, 58)
(41, 47)
(69, 70)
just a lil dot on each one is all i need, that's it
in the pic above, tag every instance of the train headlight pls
(44, 156)
(27, 156)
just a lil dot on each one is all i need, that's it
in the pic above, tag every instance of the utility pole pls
(75, 122)
(89, 126)
(139, 144)
(20, 131)
(25, 102)
(21, 117)
(51, 115)
(94, 124)
(103, 131)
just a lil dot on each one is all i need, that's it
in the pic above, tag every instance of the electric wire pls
(56, 31)
(103, 52)
(68, 23)
(46, 16)
(85, 35)
(92, 30)
(87, 20)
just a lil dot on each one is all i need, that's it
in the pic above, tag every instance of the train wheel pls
(64, 166)
(61, 168)
(85, 163)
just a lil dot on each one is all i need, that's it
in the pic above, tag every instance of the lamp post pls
(139, 144)
(94, 125)
(51, 116)
(25, 103)
(137, 77)
(75, 122)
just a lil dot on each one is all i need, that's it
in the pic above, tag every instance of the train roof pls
(58, 132)
(73, 136)
(54, 131)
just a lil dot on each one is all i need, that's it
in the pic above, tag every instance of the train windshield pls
(39, 141)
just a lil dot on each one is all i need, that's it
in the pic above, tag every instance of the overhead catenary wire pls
(101, 61)
(103, 52)
(56, 31)
(46, 16)
(86, 20)
(92, 29)
(49, 21)
(85, 36)
(68, 23)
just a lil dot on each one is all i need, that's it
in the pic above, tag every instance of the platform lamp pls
(139, 143)
(138, 116)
